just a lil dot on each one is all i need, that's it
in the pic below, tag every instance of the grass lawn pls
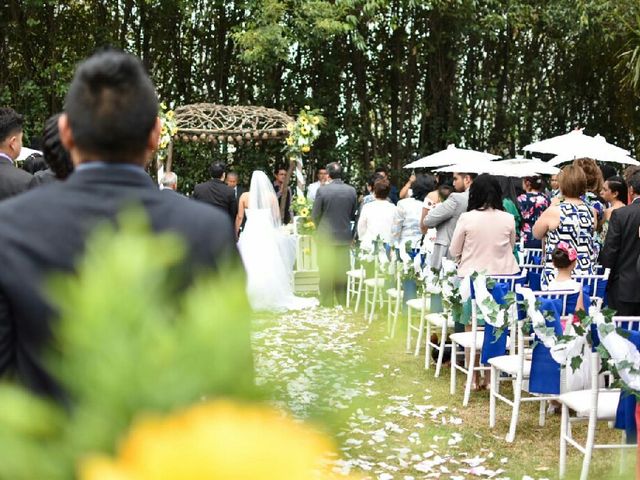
(393, 419)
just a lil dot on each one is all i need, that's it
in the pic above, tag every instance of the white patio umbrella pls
(449, 156)
(25, 152)
(576, 144)
(516, 167)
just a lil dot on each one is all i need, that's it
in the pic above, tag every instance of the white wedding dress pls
(267, 253)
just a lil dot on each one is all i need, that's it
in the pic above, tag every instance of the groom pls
(333, 211)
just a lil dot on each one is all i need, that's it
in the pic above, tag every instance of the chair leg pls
(366, 301)
(591, 434)
(542, 417)
(358, 293)
(350, 281)
(420, 329)
(388, 315)
(409, 328)
(443, 343)
(470, 371)
(492, 396)
(564, 422)
(427, 347)
(454, 367)
(515, 412)
(373, 304)
(396, 314)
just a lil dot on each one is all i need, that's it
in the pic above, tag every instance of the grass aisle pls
(392, 418)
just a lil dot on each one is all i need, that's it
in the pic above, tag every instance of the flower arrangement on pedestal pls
(304, 132)
(302, 210)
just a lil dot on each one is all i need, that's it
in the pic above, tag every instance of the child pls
(564, 258)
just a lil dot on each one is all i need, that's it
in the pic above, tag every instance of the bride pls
(267, 253)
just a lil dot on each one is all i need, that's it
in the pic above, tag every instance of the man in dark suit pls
(621, 253)
(216, 193)
(12, 180)
(111, 129)
(333, 211)
(231, 180)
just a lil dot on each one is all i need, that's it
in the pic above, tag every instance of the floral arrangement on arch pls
(169, 129)
(303, 132)
(301, 207)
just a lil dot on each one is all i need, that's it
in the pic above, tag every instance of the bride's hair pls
(262, 195)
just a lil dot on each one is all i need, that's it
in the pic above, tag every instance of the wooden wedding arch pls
(211, 123)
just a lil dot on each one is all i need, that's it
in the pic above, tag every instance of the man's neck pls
(6, 155)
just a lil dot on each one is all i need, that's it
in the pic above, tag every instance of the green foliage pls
(128, 341)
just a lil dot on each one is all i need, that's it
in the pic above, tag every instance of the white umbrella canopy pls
(516, 167)
(449, 156)
(576, 144)
(25, 152)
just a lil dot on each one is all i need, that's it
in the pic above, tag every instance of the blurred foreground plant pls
(128, 341)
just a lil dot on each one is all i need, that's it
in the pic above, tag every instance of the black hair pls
(618, 185)
(36, 143)
(607, 171)
(560, 258)
(55, 154)
(508, 187)
(372, 179)
(334, 169)
(278, 168)
(10, 123)
(634, 182)
(535, 182)
(34, 163)
(444, 191)
(112, 106)
(217, 169)
(485, 192)
(422, 186)
(381, 169)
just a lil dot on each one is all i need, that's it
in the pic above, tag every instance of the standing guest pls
(629, 172)
(571, 221)
(476, 247)
(376, 218)
(278, 185)
(592, 196)
(615, 194)
(621, 252)
(13, 180)
(531, 203)
(322, 178)
(333, 211)
(408, 213)
(509, 199)
(405, 191)
(169, 182)
(216, 193)
(445, 216)
(231, 179)
(555, 188)
(56, 156)
(394, 194)
(111, 129)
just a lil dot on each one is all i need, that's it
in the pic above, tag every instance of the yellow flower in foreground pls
(291, 126)
(216, 441)
(289, 141)
(309, 225)
(315, 120)
(300, 201)
(303, 120)
(304, 212)
(305, 149)
(305, 130)
(170, 114)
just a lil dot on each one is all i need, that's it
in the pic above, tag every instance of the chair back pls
(566, 296)
(531, 256)
(597, 283)
(512, 280)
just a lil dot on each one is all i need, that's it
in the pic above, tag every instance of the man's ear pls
(631, 191)
(154, 136)
(66, 135)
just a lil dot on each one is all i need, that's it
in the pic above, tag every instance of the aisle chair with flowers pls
(516, 366)
(420, 304)
(474, 340)
(596, 403)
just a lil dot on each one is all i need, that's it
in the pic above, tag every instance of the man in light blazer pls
(445, 216)
(333, 211)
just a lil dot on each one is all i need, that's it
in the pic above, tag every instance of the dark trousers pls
(624, 309)
(333, 278)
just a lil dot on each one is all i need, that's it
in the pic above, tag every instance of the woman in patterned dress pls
(571, 221)
(531, 203)
(592, 196)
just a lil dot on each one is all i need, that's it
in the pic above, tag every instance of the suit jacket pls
(238, 191)
(621, 253)
(44, 231)
(13, 180)
(215, 192)
(445, 216)
(334, 209)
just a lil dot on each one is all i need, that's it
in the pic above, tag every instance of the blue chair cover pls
(533, 278)
(626, 414)
(545, 371)
(492, 347)
(536, 259)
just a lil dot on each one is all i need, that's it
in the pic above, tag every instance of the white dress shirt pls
(376, 219)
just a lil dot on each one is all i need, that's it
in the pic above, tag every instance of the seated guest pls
(376, 217)
(476, 247)
(13, 180)
(406, 220)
